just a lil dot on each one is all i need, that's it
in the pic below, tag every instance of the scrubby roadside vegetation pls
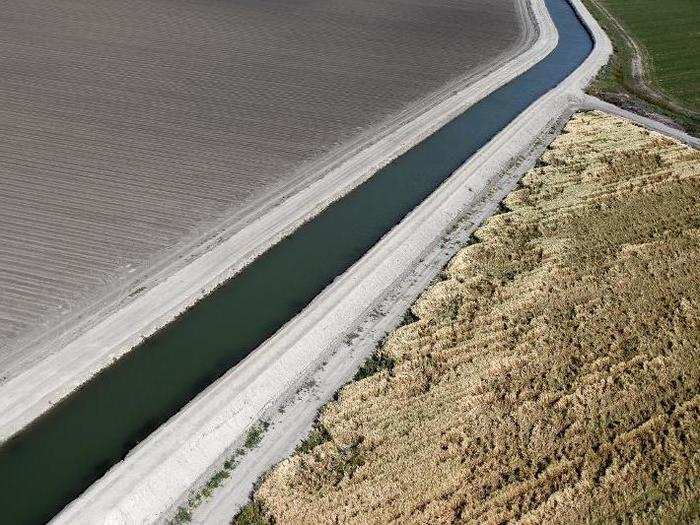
(253, 438)
(552, 375)
(655, 67)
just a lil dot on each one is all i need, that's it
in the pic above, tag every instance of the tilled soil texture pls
(128, 126)
(552, 375)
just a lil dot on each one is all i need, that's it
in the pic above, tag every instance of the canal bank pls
(223, 329)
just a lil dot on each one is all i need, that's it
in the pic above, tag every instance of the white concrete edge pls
(28, 395)
(589, 102)
(584, 101)
(157, 475)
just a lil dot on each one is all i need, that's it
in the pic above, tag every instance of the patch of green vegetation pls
(408, 318)
(215, 481)
(316, 437)
(252, 440)
(502, 208)
(183, 515)
(376, 363)
(233, 461)
(251, 514)
(255, 434)
(351, 459)
(667, 31)
(649, 499)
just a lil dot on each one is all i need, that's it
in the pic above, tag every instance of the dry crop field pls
(127, 126)
(552, 374)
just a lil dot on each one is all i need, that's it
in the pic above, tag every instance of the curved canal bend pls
(51, 462)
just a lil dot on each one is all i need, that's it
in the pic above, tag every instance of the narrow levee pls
(59, 456)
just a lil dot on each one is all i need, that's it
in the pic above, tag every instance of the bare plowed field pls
(552, 375)
(127, 127)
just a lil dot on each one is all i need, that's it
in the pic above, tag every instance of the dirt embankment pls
(551, 374)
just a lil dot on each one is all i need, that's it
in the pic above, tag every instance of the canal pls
(55, 459)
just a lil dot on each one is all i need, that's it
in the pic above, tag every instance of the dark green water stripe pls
(60, 455)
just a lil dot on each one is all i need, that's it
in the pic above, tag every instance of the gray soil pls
(128, 127)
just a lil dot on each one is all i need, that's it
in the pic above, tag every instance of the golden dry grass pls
(552, 375)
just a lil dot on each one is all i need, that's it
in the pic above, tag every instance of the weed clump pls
(252, 440)
(316, 437)
(374, 364)
(183, 515)
(255, 434)
(251, 514)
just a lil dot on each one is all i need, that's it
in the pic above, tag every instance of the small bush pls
(408, 318)
(251, 514)
(217, 479)
(374, 364)
(316, 437)
(255, 434)
(183, 515)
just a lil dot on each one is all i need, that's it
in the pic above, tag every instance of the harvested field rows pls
(552, 375)
(128, 127)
